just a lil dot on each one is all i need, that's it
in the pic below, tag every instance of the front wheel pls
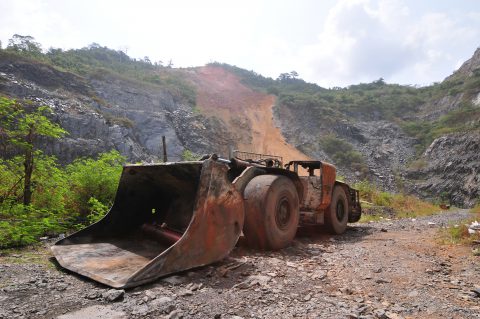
(271, 212)
(336, 217)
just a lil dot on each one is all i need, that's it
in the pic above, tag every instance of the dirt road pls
(392, 269)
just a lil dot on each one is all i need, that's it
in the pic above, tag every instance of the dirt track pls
(379, 270)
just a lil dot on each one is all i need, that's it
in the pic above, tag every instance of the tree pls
(294, 74)
(288, 76)
(24, 43)
(284, 77)
(94, 46)
(21, 128)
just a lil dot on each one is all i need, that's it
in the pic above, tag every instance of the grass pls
(37, 253)
(458, 233)
(375, 202)
(411, 206)
(366, 218)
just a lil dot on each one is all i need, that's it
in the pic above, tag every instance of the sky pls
(331, 43)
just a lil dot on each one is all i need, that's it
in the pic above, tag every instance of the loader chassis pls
(171, 217)
(318, 189)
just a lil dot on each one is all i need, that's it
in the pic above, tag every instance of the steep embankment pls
(375, 130)
(247, 113)
(104, 110)
(449, 169)
(450, 166)
(99, 114)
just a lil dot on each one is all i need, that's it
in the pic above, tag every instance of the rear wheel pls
(336, 217)
(271, 212)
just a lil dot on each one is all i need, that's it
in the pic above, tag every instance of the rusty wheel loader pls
(171, 217)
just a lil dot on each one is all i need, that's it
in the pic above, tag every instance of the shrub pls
(22, 225)
(97, 210)
(188, 155)
(60, 196)
(93, 178)
(401, 204)
(458, 233)
(343, 153)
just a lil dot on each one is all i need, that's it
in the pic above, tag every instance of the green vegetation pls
(343, 153)
(372, 101)
(466, 118)
(93, 178)
(365, 101)
(63, 198)
(100, 62)
(38, 197)
(188, 155)
(458, 233)
(20, 129)
(400, 204)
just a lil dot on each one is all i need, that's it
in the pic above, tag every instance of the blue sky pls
(332, 43)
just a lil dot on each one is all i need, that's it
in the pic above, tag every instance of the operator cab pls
(309, 166)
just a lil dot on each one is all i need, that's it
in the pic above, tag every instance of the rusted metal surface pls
(445, 206)
(329, 175)
(322, 187)
(172, 217)
(271, 212)
(310, 214)
(354, 206)
(166, 218)
(263, 159)
(317, 192)
(312, 197)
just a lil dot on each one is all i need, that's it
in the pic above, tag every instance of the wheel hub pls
(340, 210)
(282, 216)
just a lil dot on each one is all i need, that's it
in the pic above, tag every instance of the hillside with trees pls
(68, 114)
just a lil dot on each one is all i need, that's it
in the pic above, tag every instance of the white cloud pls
(363, 40)
(333, 43)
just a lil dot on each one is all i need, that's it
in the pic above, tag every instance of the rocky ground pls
(390, 269)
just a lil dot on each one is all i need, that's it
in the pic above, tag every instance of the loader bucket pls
(165, 218)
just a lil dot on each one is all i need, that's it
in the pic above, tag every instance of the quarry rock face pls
(111, 113)
(451, 169)
(105, 112)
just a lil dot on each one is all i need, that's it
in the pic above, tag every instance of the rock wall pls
(101, 114)
(111, 112)
(383, 144)
(450, 167)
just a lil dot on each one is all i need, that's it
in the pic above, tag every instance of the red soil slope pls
(246, 112)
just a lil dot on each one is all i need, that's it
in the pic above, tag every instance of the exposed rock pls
(469, 66)
(175, 280)
(113, 113)
(253, 281)
(452, 169)
(113, 294)
(176, 314)
(95, 312)
(107, 112)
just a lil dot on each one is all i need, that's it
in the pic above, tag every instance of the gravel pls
(365, 273)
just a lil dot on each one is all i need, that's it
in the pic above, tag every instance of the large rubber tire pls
(336, 217)
(271, 212)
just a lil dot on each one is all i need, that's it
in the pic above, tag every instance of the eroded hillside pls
(247, 113)
(420, 140)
